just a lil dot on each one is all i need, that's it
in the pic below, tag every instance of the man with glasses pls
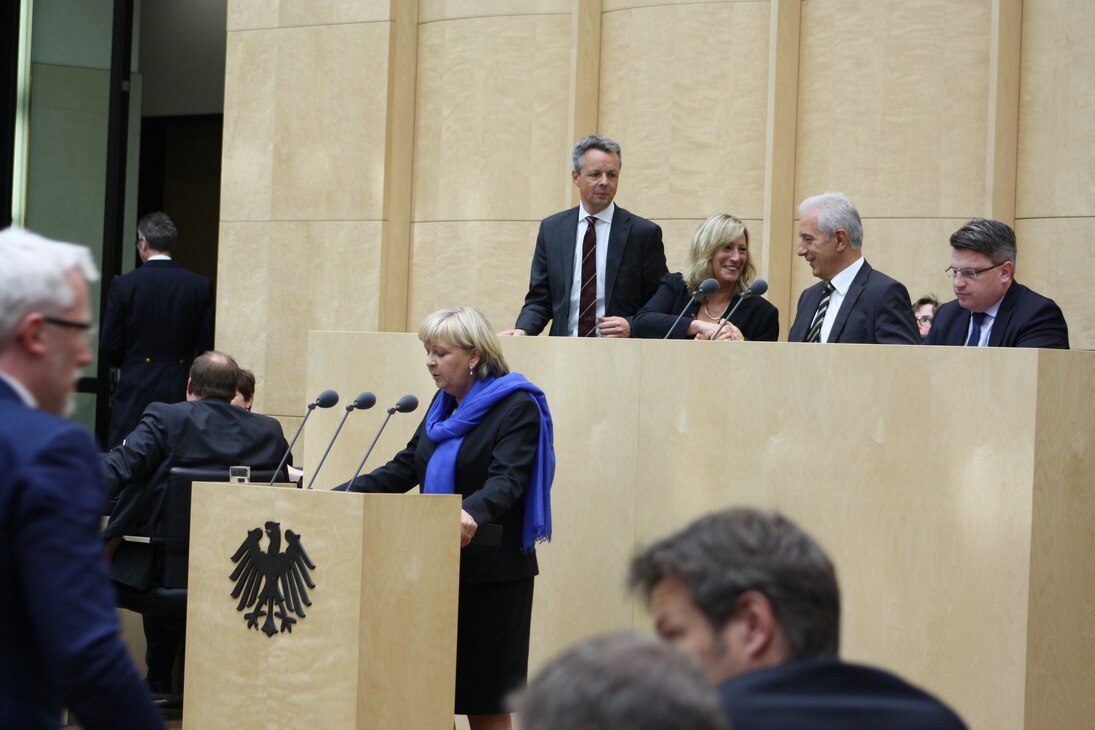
(992, 309)
(158, 318)
(60, 633)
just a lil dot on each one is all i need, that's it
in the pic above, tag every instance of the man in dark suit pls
(756, 600)
(60, 633)
(594, 265)
(158, 317)
(852, 302)
(206, 430)
(992, 309)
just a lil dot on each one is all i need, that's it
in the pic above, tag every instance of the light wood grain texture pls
(1054, 260)
(585, 78)
(380, 561)
(1005, 41)
(491, 121)
(254, 14)
(937, 494)
(687, 107)
(892, 105)
(1056, 110)
(779, 155)
(275, 296)
(432, 11)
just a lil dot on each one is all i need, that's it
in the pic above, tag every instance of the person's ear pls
(759, 625)
(30, 333)
(841, 237)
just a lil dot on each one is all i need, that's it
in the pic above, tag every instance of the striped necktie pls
(819, 317)
(587, 299)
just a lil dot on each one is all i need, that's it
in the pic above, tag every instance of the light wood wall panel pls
(490, 135)
(892, 107)
(688, 107)
(961, 557)
(432, 10)
(266, 314)
(1054, 260)
(253, 14)
(1057, 110)
(481, 264)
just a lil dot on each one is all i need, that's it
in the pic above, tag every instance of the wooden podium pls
(376, 647)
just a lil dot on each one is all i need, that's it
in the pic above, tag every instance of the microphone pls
(326, 399)
(707, 288)
(363, 402)
(406, 404)
(758, 287)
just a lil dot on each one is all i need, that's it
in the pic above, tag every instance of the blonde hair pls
(714, 233)
(466, 328)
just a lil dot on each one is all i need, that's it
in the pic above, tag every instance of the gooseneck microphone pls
(406, 404)
(758, 287)
(363, 402)
(326, 399)
(707, 288)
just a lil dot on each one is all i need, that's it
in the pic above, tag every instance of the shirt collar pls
(20, 390)
(158, 257)
(843, 280)
(605, 215)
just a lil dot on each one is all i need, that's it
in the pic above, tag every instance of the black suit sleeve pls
(205, 334)
(656, 317)
(654, 267)
(136, 460)
(759, 320)
(112, 337)
(511, 462)
(895, 323)
(1045, 327)
(537, 310)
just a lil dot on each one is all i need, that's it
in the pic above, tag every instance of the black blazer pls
(209, 432)
(1025, 319)
(828, 694)
(635, 263)
(756, 318)
(492, 473)
(158, 317)
(876, 309)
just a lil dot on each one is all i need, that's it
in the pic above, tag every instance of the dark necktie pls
(587, 299)
(975, 330)
(819, 316)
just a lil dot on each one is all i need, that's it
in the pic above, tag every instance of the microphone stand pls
(311, 407)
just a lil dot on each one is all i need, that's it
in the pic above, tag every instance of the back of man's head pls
(159, 231)
(621, 682)
(34, 277)
(214, 375)
(723, 555)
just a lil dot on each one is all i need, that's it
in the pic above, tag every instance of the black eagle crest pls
(276, 583)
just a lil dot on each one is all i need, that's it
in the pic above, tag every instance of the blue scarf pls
(448, 433)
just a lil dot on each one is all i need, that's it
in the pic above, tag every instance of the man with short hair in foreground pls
(620, 681)
(756, 599)
(60, 635)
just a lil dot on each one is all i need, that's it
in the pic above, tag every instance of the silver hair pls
(34, 276)
(834, 211)
(593, 142)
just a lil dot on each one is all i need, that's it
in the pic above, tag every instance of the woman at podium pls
(487, 436)
(719, 252)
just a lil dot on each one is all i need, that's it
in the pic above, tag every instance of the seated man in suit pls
(992, 309)
(205, 430)
(60, 633)
(596, 265)
(852, 302)
(756, 600)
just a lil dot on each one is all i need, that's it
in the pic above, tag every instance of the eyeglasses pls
(926, 319)
(970, 274)
(88, 328)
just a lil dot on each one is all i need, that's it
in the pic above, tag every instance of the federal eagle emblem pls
(275, 583)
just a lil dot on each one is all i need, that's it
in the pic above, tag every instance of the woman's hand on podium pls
(468, 526)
